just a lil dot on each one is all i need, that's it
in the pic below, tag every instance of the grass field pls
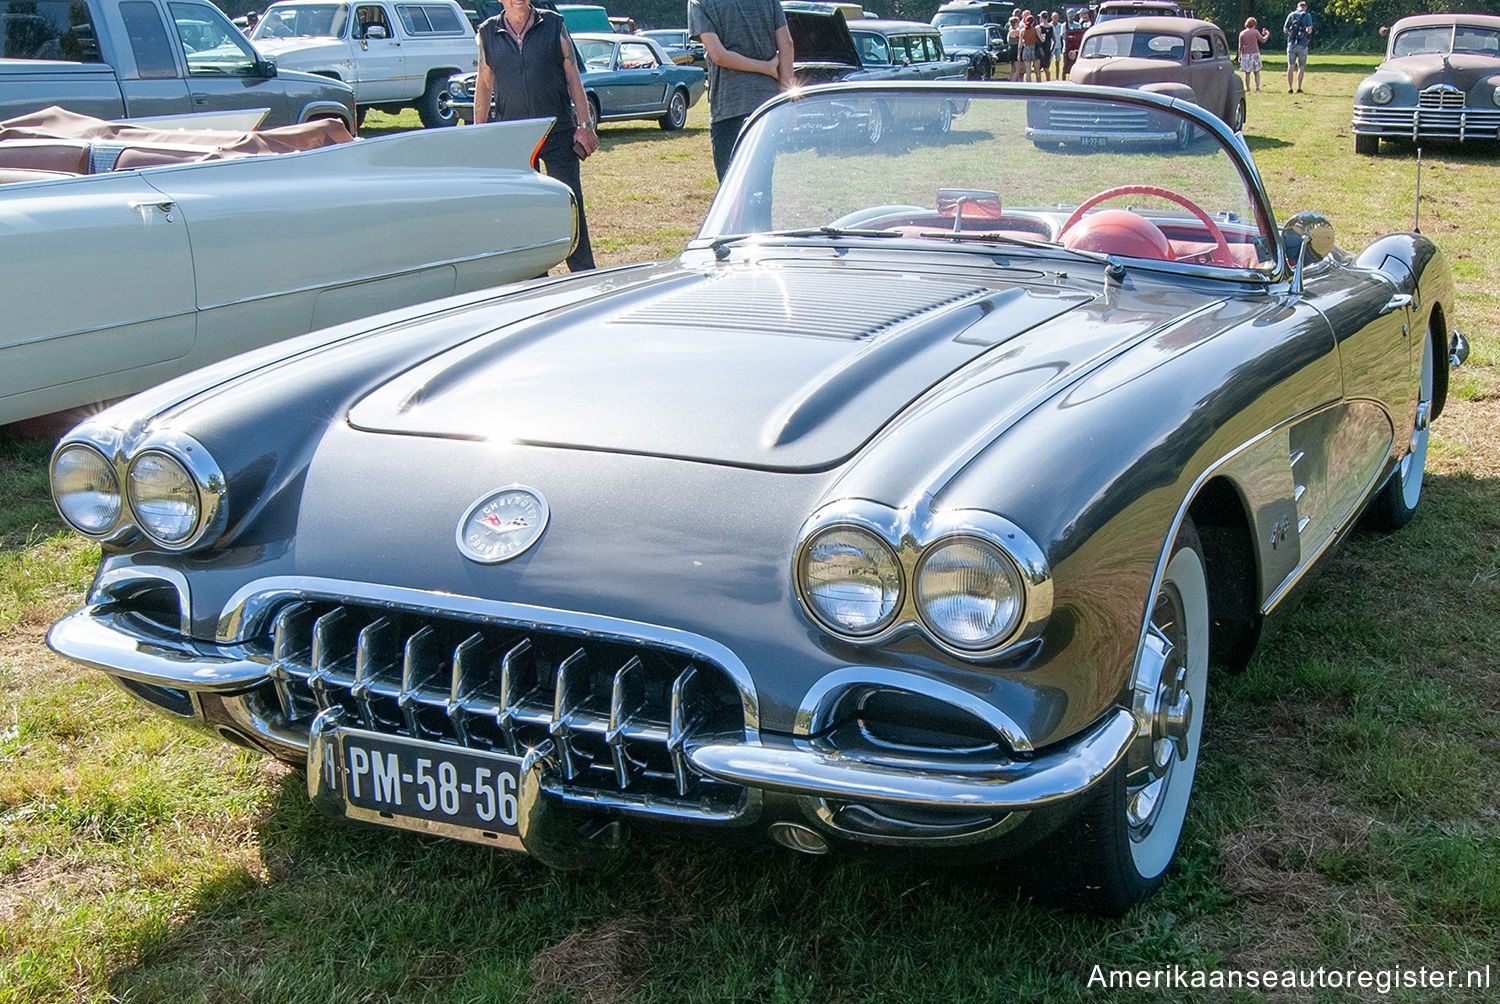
(1346, 817)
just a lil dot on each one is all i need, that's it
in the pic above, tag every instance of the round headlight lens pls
(969, 592)
(851, 580)
(164, 498)
(86, 490)
(1495, 95)
(1381, 94)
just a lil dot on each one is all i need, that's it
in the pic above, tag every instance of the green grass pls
(1346, 816)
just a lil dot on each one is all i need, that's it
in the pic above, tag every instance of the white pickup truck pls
(394, 54)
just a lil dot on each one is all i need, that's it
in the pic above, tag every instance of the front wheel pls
(1124, 838)
(1397, 502)
(943, 124)
(677, 109)
(1369, 146)
(434, 107)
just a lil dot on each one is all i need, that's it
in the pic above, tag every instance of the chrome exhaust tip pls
(799, 838)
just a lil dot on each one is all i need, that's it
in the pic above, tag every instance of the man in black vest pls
(526, 64)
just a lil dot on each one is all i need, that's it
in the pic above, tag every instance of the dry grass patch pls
(599, 966)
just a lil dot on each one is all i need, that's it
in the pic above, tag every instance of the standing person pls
(1059, 43)
(526, 62)
(1028, 47)
(1299, 29)
(1013, 46)
(1045, 35)
(750, 58)
(1250, 40)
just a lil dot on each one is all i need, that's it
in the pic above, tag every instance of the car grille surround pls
(1441, 112)
(616, 714)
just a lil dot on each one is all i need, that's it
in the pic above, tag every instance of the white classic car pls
(133, 254)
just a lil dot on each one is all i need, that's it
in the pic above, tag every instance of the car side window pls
(1221, 48)
(211, 45)
(148, 40)
(369, 16)
(48, 29)
(873, 50)
(1200, 47)
(636, 56)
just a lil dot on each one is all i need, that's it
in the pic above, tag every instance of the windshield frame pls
(1233, 145)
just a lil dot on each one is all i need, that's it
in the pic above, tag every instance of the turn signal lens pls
(86, 490)
(969, 593)
(164, 498)
(851, 580)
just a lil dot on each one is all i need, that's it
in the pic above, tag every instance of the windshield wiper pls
(719, 244)
(1113, 265)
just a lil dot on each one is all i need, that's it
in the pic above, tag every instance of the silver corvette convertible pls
(907, 509)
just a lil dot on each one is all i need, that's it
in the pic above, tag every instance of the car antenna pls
(1416, 222)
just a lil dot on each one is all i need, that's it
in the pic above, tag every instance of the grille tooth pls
(468, 697)
(421, 667)
(511, 668)
(290, 639)
(377, 669)
(626, 701)
(333, 660)
(565, 703)
(611, 717)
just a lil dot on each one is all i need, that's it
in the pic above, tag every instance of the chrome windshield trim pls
(246, 612)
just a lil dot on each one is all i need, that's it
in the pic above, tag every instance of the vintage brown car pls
(1439, 81)
(1179, 57)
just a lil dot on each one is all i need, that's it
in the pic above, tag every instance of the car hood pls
(1124, 71)
(1462, 70)
(821, 38)
(754, 367)
(291, 51)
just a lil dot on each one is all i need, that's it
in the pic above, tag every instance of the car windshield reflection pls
(957, 167)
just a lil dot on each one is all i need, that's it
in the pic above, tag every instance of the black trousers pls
(562, 163)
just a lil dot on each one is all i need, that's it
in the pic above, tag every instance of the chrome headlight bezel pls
(911, 535)
(1007, 569)
(882, 554)
(107, 467)
(1381, 93)
(121, 452)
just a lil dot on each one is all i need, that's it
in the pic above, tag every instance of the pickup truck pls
(138, 58)
(393, 53)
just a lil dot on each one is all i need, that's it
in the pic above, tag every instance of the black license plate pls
(431, 781)
(1095, 142)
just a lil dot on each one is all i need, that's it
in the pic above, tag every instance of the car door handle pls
(1396, 302)
(163, 206)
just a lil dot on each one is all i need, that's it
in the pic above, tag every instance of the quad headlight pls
(164, 486)
(86, 489)
(969, 592)
(851, 580)
(971, 581)
(1381, 94)
(164, 498)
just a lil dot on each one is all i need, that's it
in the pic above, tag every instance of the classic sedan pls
(983, 45)
(679, 45)
(905, 511)
(624, 76)
(1178, 57)
(136, 254)
(1440, 80)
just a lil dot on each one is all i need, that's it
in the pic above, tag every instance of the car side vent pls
(618, 714)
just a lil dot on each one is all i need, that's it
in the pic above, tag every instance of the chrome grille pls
(1427, 121)
(1441, 96)
(619, 714)
(1074, 116)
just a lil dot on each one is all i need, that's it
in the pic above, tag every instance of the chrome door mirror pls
(1313, 229)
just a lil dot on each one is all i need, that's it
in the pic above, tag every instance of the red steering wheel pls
(1219, 255)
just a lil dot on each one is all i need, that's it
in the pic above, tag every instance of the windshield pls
(1109, 176)
(964, 37)
(1114, 14)
(1139, 45)
(1442, 39)
(316, 21)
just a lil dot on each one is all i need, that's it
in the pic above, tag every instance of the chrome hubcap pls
(1164, 713)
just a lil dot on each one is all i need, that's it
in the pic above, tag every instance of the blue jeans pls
(722, 133)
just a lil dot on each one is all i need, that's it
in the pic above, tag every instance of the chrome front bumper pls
(224, 686)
